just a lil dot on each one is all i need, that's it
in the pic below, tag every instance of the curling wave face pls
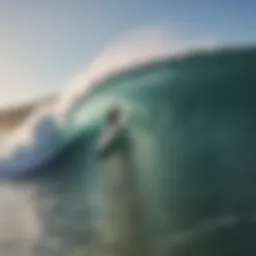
(50, 128)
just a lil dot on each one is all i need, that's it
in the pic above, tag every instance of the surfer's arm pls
(112, 140)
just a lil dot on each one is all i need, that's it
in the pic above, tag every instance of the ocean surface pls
(192, 121)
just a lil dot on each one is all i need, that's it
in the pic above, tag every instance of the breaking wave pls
(51, 128)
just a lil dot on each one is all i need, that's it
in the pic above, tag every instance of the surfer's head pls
(114, 116)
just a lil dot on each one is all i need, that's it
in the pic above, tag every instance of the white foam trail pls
(35, 142)
(41, 135)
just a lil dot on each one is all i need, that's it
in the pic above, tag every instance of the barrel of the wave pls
(123, 231)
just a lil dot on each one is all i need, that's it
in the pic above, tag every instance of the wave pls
(48, 130)
(192, 121)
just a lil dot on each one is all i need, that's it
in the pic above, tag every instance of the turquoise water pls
(192, 123)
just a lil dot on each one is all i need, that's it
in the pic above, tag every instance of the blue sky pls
(45, 42)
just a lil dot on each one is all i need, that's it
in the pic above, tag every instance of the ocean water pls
(192, 124)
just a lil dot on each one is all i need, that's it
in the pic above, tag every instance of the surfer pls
(123, 232)
(114, 136)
